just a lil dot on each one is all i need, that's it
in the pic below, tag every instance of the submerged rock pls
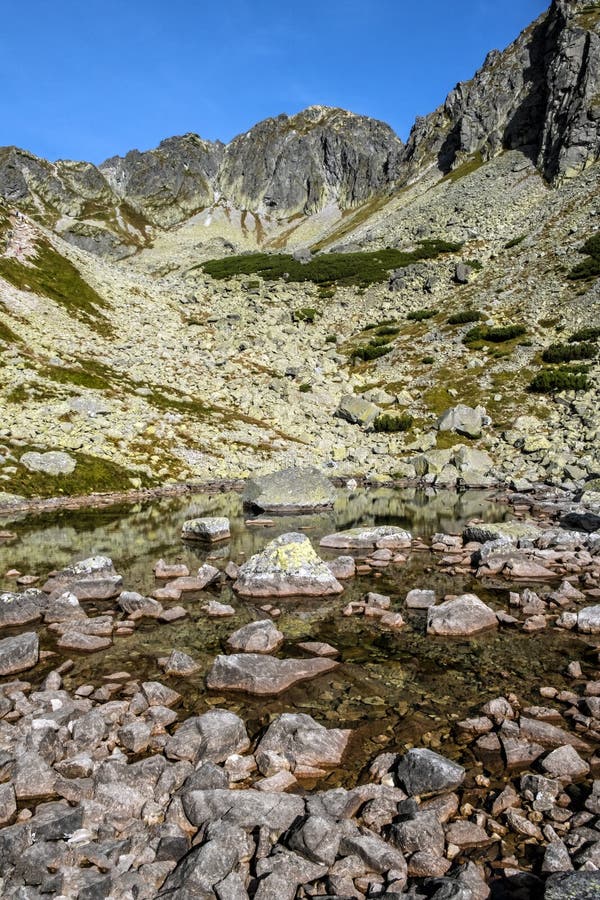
(368, 538)
(290, 490)
(465, 615)
(288, 566)
(257, 674)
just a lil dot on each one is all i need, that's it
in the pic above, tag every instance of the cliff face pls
(540, 96)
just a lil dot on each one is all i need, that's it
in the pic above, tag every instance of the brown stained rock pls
(164, 571)
(465, 834)
(464, 616)
(256, 637)
(263, 675)
(85, 643)
(318, 648)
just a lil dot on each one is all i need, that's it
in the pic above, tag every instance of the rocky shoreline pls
(109, 789)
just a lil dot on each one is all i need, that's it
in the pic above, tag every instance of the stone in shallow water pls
(165, 570)
(256, 637)
(287, 567)
(178, 663)
(21, 609)
(420, 599)
(265, 675)
(290, 490)
(423, 772)
(209, 529)
(86, 643)
(465, 615)
(302, 741)
(368, 538)
(19, 653)
(218, 610)
(91, 579)
(507, 531)
(319, 648)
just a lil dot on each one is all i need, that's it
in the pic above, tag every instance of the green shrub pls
(585, 334)
(464, 317)
(560, 353)
(327, 269)
(590, 267)
(419, 315)
(304, 314)
(428, 360)
(494, 335)
(305, 388)
(388, 330)
(549, 381)
(331, 339)
(475, 264)
(514, 242)
(389, 423)
(372, 351)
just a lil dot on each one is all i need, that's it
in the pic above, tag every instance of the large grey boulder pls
(19, 653)
(463, 616)
(94, 578)
(211, 737)
(253, 673)
(588, 620)
(290, 490)
(256, 637)
(55, 462)
(21, 609)
(357, 410)
(573, 886)
(510, 532)
(287, 567)
(209, 529)
(423, 773)
(304, 742)
(463, 419)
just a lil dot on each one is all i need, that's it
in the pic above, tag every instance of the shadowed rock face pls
(540, 96)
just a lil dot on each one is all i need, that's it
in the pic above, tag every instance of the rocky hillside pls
(143, 344)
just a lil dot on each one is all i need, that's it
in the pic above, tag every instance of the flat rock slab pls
(256, 637)
(85, 643)
(55, 462)
(209, 529)
(365, 538)
(461, 617)
(164, 571)
(290, 490)
(20, 609)
(319, 648)
(19, 653)
(91, 579)
(573, 886)
(187, 585)
(287, 567)
(264, 675)
(505, 531)
(246, 809)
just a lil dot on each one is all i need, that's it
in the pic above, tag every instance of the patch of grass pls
(585, 334)
(331, 339)
(7, 335)
(550, 323)
(91, 475)
(388, 331)
(327, 269)
(550, 381)
(305, 314)
(561, 353)
(428, 360)
(371, 351)
(514, 242)
(464, 317)
(483, 334)
(76, 377)
(590, 267)
(420, 315)
(467, 168)
(388, 423)
(53, 276)
(474, 264)
(305, 388)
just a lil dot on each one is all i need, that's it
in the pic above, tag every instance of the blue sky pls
(83, 79)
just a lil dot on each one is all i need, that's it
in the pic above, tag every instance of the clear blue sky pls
(83, 79)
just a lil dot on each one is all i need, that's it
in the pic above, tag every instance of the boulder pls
(256, 637)
(265, 675)
(424, 773)
(508, 532)
(209, 529)
(21, 609)
(55, 462)
(588, 620)
(463, 419)
(287, 567)
(368, 538)
(420, 599)
(211, 737)
(289, 491)
(573, 886)
(302, 741)
(91, 579)
(465, 615)
(357, 410)
(248, 809)
(19, 653)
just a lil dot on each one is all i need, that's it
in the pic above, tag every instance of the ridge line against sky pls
(96, 80)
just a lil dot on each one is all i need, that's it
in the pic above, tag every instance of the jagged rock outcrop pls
(541, 95)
